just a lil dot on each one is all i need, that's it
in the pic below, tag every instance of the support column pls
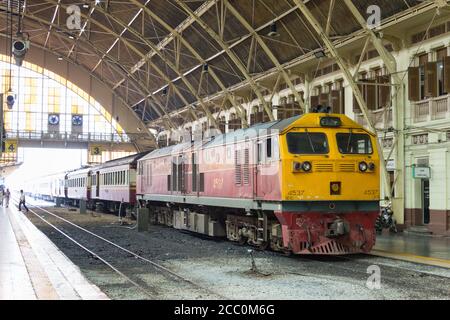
(398, 115)
(307, 93)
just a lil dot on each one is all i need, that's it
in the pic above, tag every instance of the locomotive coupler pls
(337, 228)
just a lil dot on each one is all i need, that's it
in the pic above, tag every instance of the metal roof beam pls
(268, 52)
(232, 56)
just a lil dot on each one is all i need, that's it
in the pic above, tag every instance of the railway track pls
(333, 269)
(148, 290)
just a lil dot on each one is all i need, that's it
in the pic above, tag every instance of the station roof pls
(153, 53)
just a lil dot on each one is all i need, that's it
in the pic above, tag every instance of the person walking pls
(7, 195)
(22, 201)
(2, 195)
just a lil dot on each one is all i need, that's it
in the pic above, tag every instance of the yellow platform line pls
(412, 258)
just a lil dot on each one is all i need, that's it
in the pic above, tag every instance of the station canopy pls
(180, 58)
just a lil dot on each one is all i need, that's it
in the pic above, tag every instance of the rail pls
(158, 266)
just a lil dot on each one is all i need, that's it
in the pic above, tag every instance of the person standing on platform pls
(7, 195)
(2, 195)
(22, 201)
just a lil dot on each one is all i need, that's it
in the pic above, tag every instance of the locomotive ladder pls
(261, 227)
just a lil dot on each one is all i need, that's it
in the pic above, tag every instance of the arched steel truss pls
(140, 68)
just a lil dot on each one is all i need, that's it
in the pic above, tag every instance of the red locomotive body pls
(264, 186)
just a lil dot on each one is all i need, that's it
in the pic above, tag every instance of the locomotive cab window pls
(307, 143)
(354, 143)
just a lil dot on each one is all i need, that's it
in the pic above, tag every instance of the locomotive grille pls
(246, 177)
(237, 167)
(323, 167)
(347, 167)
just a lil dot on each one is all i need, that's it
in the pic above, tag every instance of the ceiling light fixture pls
(273, 30)
(320, 54)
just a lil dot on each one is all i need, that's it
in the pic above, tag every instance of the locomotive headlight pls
(306, 166)
(371, 166)
(297, 166)
(363, 166)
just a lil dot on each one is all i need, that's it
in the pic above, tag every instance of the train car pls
(47, 188)
(304, 185)
(114, 182)
(77, 185)
(58, 186)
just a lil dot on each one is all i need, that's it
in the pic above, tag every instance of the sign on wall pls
(421, 172)
(95, 150)
(390, 165)
(10, 146)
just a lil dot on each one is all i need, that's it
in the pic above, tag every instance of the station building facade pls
(422, 55)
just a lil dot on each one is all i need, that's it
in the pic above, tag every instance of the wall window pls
(40, 92)
(423, 60)
(441, 54)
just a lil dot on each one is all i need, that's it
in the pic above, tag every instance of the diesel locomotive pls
(304, 185)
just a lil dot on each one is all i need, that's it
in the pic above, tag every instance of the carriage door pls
(257, 167)
(97, 180)
(263, 154)
(178, 174)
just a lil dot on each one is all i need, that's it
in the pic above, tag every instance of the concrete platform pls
(414, 248)
(32, 267)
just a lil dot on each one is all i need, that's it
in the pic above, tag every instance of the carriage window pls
(354, 143)
(307, 143)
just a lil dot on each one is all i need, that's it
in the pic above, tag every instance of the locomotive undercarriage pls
(259, 229)
(307, 233)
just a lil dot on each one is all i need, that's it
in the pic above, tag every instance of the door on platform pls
(426, 201)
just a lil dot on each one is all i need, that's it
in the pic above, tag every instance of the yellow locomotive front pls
(330, 185)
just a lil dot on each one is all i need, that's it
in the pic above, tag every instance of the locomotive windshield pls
(307, 143)
(354, 143)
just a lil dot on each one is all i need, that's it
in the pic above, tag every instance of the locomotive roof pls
(308, 120)
(260, 128)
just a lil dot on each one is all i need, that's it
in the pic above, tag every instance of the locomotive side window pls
(354, 143)
(307, 143)
(269, 148)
